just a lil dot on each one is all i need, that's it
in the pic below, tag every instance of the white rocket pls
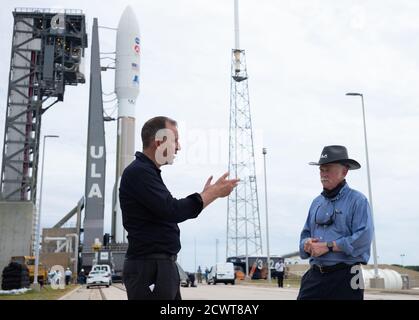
(127, 88)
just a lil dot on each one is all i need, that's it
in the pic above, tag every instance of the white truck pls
(222, 272)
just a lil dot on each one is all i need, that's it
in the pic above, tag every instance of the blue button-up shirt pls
(351, 227)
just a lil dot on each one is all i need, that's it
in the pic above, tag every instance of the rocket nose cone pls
(128, 20)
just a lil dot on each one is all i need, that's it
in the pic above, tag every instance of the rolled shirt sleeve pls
(362, 231)
(303, 254)
(305, 235)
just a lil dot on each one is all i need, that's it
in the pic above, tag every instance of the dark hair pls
(151, 127)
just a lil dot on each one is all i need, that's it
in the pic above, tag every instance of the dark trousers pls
(280, 276)
(151, 279)
(335, 285)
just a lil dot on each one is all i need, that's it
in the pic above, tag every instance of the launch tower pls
(46, 55)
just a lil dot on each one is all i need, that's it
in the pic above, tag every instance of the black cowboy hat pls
(336, 154)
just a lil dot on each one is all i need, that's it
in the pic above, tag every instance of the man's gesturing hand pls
(220, 189)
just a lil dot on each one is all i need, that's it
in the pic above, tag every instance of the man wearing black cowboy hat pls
(337, 234)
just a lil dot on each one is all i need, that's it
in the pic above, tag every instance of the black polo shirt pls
(149, 212)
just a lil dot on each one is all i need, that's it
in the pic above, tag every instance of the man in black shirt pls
(150, 214)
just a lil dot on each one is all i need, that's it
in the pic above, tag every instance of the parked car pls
(185, 277)
(104, 267)
(191, 276)
(222, 272)
(98, 278)
(116, 277)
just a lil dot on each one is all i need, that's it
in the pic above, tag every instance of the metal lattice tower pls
(243, 219)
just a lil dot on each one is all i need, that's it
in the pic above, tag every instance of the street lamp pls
(38, 231)
(194, 246)
(374, 245)
(267, 223)
(216, 251)
(402, 256)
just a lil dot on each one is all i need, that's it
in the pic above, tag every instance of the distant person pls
(199, 274)
(191, 276)
(337, 234)
(68, 275)
(82, 277)
(58, 277)
(280, 269)
(51, 276)
(206, 274)
(151, 215)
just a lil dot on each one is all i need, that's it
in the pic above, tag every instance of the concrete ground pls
(223, 292)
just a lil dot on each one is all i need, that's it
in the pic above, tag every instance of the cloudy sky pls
(302, 56)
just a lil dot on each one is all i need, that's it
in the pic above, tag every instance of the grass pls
(47, 293)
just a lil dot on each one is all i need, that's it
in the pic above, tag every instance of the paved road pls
(221, 292)
(83, 294)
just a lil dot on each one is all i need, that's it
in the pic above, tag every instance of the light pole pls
(38, 227)
(374, 245)
(267, 223)
(216, 251)
(194, 245)
(402, 256)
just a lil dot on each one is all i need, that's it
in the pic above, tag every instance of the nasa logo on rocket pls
(137, 45)
(136, 79)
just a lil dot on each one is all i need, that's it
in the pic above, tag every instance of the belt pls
(336, 267)
(157, 256)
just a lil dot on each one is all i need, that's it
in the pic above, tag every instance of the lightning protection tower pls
(243, 219)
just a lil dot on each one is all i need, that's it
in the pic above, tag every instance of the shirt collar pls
(142, 157)
(341, 192)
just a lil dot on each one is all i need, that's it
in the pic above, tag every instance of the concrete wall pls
(49, 247)
(15, 230)
(49, 257)
(60, 258)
